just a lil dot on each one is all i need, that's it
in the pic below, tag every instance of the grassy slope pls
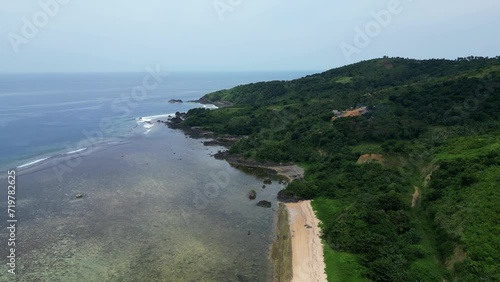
(477, 216)
(474, 211)
(471, 214)
(340, 266)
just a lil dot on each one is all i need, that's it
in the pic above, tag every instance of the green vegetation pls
(464, 203)
(344, 80)
(340, 266)
(435, 126)
(367, 149)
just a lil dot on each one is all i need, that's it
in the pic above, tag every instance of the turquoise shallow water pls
(155, 208)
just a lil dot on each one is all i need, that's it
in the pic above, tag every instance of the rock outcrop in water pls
(264, 204)
(252, 194)
(175, 101)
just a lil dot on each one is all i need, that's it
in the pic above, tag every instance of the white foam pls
(33, 162)
(76, 151)
(151, 118)
(149, 121)
(210, 106)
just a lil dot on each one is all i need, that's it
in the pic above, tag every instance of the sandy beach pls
(307, 250)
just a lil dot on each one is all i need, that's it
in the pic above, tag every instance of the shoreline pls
(308, 263)
(288, 171)
(297, 251)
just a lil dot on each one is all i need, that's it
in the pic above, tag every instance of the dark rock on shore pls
(287, 197)
(264, 204)
(252, 194)
(226, 141)
(205, 101)
(192, 132)
(176, 121)
(268, 181)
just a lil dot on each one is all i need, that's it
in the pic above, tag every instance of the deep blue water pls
(46, 114)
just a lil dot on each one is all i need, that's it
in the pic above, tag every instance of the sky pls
(238, 35)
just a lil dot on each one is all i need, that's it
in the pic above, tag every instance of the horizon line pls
(167, 71)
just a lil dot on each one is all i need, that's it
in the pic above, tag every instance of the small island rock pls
(264, 204)
(175, 101)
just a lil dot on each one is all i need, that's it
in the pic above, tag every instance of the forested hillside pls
(402, 158)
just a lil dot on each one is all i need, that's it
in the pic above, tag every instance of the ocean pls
(42, 115)
(105, 193)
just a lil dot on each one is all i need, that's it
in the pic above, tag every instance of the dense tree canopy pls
(416, 119)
